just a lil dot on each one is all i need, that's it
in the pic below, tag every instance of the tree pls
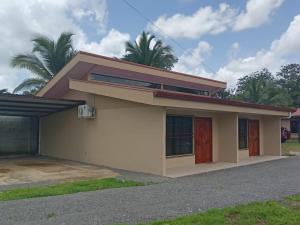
(225, 94)
(261, 87)
(289, 80)
(160, 55)
(47, 58)
(3, 91)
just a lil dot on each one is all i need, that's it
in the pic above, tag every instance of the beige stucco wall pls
(228, 137)
(124, 135)
(243, 154)
(212, 107)
(269, 135)
(224, 137)
(272, 135)
(190, 160)
(145, 96)
(181, 161)
(131, 135)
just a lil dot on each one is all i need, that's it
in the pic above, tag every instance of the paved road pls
(269, 180)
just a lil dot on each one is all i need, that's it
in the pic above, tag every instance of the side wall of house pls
(228, 137)
(272, 135)
(124, 135)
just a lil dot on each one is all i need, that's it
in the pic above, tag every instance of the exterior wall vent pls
(86, 112)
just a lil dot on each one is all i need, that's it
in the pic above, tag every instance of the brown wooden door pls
(203, 140)
(253, 137)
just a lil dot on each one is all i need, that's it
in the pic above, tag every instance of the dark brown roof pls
(206, 99)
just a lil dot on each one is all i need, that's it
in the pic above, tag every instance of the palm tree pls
(141, 52)
(261, 87)
(45, 61)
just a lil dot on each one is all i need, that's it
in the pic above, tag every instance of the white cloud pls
(93, 10)
(289, 42)
(273, 58)
(257, 13)
(205, 20)
(113, 44)
(191, 61)
(244, 66)
(277, 55)
(23, 18)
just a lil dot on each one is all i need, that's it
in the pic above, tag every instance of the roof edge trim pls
(188, 97)
(149, 67)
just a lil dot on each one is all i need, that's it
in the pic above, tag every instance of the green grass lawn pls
(291, 145)
(65, 188)
(260, 213)
(294, 198)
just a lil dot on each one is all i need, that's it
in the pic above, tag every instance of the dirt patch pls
(295, 205)
(2, 170)
(233, 218)
(47, 167)
(30, 170)
(36, 164)
(54, 169)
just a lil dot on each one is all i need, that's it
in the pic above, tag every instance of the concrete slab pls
(22, 170)
(208, 167)
(294, 153)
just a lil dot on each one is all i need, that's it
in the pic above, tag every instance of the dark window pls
(294, 126)
(179, 135)
(186, 90)
(243, 133)
(125, 81)
(130, 82)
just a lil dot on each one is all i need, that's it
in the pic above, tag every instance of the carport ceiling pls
(32, 106)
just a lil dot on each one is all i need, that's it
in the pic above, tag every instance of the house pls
(291, 123)
(150, 120)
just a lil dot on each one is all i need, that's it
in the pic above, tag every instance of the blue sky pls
(219, 39)
(250, 40)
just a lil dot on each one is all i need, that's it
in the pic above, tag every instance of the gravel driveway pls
(171, 198)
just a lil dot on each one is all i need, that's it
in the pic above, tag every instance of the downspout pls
(39, 138)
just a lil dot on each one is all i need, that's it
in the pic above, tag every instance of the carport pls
(19, 121)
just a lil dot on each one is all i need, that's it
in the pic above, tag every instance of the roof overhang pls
(175, 100)
(84, 63)
(32, 106)
(188, 97)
